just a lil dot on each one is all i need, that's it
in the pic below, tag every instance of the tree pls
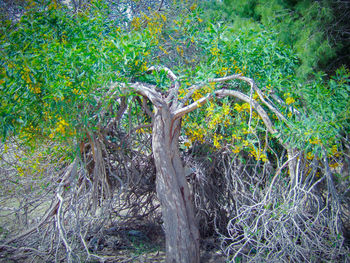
(182, 237)
(67, 76)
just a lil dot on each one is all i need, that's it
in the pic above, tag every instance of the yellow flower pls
(238, 107)
(246, 107)
(335, 165)
(226, 109)
(216, 142)
(334, 151)
(236, 149)
(210, 110)
(309, 156)
(263, 158)
(77, 91)
(214, 51)
(187, 144)
(136, 22)
(182, 93)
(180, 50)
(163, 17)
(315, 141)
(235, 137)
(144, 66)
(290, 100)
(197, 95)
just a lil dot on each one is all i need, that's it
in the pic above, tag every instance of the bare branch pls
(170, 74)
(160, 5)
(252, 102)
(143, 89)
(174, 89)
(181, 112)
(233, 93)
(252, 84)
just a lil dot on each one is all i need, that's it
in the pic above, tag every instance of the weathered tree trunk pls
(182, 235)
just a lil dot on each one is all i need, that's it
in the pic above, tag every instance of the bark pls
(181, 232)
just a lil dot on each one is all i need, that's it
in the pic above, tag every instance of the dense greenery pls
(314, 29)
(83, 52)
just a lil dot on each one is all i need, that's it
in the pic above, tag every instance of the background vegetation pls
(77, 170)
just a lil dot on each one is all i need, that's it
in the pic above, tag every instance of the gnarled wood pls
(182, 235)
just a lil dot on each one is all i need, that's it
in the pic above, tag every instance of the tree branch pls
(174, 89)
(252, 84)
(232, 93)
(143, 89)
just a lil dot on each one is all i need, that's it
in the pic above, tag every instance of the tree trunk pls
(181, 232)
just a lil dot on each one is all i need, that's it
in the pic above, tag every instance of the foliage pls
(55, 66)
(304, 25)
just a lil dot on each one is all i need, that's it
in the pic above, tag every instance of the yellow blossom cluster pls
(220, 117)
(77, 91)
(199, 93)
(224, 71)
(236, 149)
(290, 100)
(226, 109)
(196, 133)
(335, 165)
(334, 151)
(210, 110)
(35, 89)
(153, 23)
(238, 70)
(258, 155)
(243, 107)
(61, 128)
(142, 65)
(216, 140)
(180, 51)
(256, 96)
(315, 141)
(214, 51)
(215, 120)
(310, 156)
(136, 22)
(143, 130)
(182, 92)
